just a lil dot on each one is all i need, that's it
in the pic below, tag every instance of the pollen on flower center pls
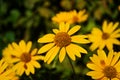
(62, 39)
(25, 57)
(105, 36)
(110, 72)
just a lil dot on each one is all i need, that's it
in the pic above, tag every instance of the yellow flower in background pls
(62, 17)
(105, 37)
(24, 59)
(104, 67)
(5, 72)
(70, 17)
(78, 17)
(62, 41)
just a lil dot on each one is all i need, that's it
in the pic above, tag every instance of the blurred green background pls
(31, 19)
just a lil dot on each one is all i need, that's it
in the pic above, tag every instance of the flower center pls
(105, 36)
(75, 18)
(25, 57)
(110, 72)
(62, 39)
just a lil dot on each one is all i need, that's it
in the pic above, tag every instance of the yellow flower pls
(5, 72)
(70, 17)
(24, 59)
(105, 37)
(62, 17)
(61, 42)
(78, 17)
(104, 67)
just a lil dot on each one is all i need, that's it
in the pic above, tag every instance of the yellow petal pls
(115, 59)
(67, 26)
(36, 64)
(102, 55)
(55, 31)
(117, 66)
(116, 41)
(47, 38)
(109, 27)
(114, 26)
(79, 39)
(38, 57)
(109, 45)
(15, 60)
(95, 59)
(15, 67)
(45, 48)
(31, 68)
(1, 62)
(21, 71)
(22, 45)
(115, 79)
(78, 48)
(53, 55)
(74, 29)
(3, 67)
(49, 53)
(94, 67)
(62, 54)
(28, 46)
(6, 73)
(27, 72)
(83, 18)
(82, 50)
(34, 51)
(81, 12)
(70, 52)
(102, 44)
(95, 74)
(96, 31)
(75, 50)
(115, 34)
(94, 46)
(104, 26)
(110, 57)
(62, 27)
(16, 47)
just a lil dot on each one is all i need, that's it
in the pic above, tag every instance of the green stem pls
(74, 78)
(30, 77)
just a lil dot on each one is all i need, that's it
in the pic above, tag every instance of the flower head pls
(70, 17)
(5, 72)
(104, 67)
(78, 17)
(105, 37)
(61, 17)
(23, 58)
(62, 42)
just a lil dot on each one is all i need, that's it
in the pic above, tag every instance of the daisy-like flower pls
(104, 67)
(23, 58)
(105, 37)
(70, 17)
(62, 17)
(5, 72)
(61, 42)
(78, 17)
